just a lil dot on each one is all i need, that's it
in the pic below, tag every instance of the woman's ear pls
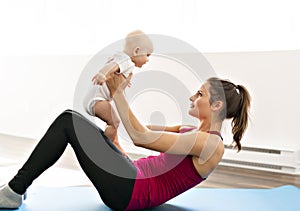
(217, 105)
(136, 51)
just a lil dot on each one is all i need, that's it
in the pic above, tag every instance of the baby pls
(138, 47)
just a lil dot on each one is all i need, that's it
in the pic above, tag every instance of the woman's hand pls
(117, 82)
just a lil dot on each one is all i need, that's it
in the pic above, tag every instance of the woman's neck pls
(210, 126)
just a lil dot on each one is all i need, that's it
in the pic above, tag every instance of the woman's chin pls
(190, 113)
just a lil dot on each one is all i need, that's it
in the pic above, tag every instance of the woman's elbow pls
(140, 139)
(137, 144)
(137, 141)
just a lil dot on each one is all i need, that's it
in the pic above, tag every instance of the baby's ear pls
(136, 51)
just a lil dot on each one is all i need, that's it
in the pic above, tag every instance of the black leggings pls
(110, 172)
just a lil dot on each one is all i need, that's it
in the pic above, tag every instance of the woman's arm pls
(174, 129)
(189, 143)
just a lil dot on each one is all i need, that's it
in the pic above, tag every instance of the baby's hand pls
(99, 79)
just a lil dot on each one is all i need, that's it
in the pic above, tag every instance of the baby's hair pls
(237, 100)
(139, 39)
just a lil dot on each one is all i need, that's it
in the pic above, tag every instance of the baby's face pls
(140, 60)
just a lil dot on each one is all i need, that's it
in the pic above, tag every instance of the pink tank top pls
(160, 178)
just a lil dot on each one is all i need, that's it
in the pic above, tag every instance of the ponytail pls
(237, 105)
(240, 120)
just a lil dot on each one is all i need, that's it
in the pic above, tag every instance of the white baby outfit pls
(101, 92)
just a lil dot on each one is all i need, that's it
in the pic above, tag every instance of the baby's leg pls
(104, 110)
(111, 130)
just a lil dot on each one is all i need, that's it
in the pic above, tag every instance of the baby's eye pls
(199, 93)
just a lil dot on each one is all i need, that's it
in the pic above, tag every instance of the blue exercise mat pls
(196, 199)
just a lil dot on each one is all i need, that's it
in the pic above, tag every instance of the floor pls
(66, 172)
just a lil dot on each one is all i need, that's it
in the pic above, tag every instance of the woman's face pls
(200, 105)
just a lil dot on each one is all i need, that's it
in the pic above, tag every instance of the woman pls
(187, 158)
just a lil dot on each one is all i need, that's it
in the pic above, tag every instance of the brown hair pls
(237, 104)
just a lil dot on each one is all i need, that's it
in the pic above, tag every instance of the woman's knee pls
(71, 113)
(66, 114)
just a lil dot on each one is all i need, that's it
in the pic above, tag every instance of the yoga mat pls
(196, 199)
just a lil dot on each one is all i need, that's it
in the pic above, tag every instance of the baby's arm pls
(109, 68)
